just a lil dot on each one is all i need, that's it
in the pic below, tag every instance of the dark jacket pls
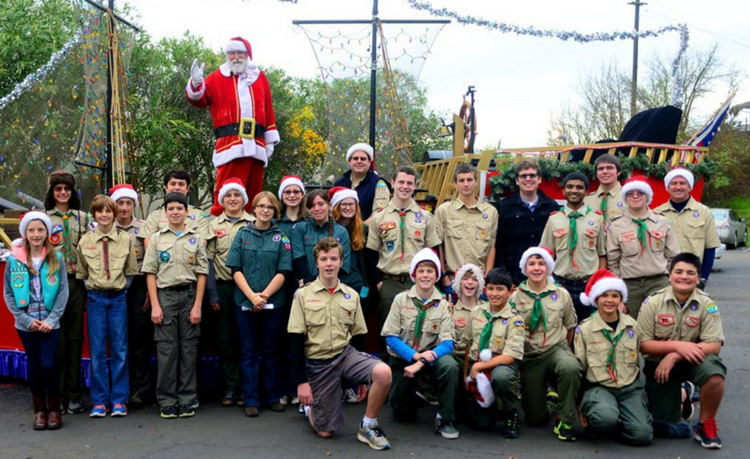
(518, 229)
(365, 190)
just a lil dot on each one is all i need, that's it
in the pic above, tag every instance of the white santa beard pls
(238, 66)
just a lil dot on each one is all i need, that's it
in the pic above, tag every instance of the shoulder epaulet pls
(598, 212)
(587, 319)
(615, 217)
(379, 210)
(593, 193)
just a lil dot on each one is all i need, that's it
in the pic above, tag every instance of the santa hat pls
(425, 254)
(481, 389)
(233, 184)
(288, 180)
(543, 252)
(118, 192)
(339, 193)
(637, 183)
(475, 270)
(30, 217)
(600, 283)
(359, 147)
(239, 44)
(679, 172)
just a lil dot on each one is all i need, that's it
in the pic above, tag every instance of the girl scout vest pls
(20, 282)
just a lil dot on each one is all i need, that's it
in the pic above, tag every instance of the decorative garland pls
(564, 35)
(505, 182)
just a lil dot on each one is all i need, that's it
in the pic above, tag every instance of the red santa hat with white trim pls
(125, 190)
(425, 254)
(601, 282)
(233, 184)
(239, 44)
(289, 180)
(546, 255)
(339, 193)
(679, 172)
(637, 183)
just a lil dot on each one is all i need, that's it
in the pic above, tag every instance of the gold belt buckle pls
(243, 122)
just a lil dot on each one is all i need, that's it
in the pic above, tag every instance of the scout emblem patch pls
(665, 320)
(193, 241)
(505, 321)
(136, 231)
(347, 296)
(591, 223)
(631, 333)
(220, 232)
(712, 309)
(692, 321)
(518, 324)
(417, 233)
(191, 217)
(390, 246)
(434, 327)
(554, 297)
(276, 238)
(633, 356)
(578, 330)
(191, 258)
(696, 214)
(693, 307)
(498, 342)
(55, 239)
(287, 245)
(485, 216)
(619, 204)
(164, 256)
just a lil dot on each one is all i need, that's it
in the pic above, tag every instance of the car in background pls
(732, 229)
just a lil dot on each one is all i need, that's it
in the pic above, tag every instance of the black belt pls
(573, 282)
(234, 129)
(403, 278)
(180, 288)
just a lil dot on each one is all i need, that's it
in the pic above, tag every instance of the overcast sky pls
(520, 81)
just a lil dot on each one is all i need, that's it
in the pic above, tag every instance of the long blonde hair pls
(355, 228)
(51, 257)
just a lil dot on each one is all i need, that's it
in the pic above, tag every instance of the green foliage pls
(731, 151)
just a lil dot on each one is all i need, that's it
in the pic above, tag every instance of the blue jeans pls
(259, 334)
(41, 357)
(108, 319)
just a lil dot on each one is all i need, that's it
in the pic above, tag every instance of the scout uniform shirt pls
(260, 255)
(402, 321)
(461, 317)
(695, 226)
(611, 365)
(328, 320)
(157, 221)
(307, 233)
(398, 236)
(132, 230)
(558, 312)
(631, 256)
(176, 260)
(663, 319)
(609, 203)
(78, 224)
(588, 243)
(105, 259)
(221, 233)
(507, 335)
(467, 233)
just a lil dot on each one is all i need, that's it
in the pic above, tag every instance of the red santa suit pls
(230, 98)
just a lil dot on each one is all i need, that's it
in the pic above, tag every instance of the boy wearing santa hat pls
(640, 244)
(693, 222)
(547, 310)
(494, 345)
(419, 335)
(607, 346)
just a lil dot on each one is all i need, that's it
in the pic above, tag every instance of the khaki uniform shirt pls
(402, 321)
(461, 327)
(624, 256)
(91, 260)
(467, 233)
(79, 223)
(695, 226)
(396, 251)
(221, 233)
(558, 309)
(661, 318)
(328, 320)
(133, 230)
(176, 260)
(508, 333)
(157, 221)
(590, 246)
(615, 204)
(382, 195)
(592, 349)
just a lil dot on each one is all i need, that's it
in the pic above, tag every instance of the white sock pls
(368, 422)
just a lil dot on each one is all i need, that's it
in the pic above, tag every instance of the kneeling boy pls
(419, 335)
(326, 316)
(607, 346)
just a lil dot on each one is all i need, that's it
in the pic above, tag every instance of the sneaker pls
(374, 436)
(284, 400)
(278, 407)
(708, 434)
(512, 427)
(186, 411)
(429, 398)
(168, 412)
(446, 429)
(99, 411)
(196, 403)
(688, 410)
(76, 406)
(252, 411)
(295, 400)
(552, 396)
(350, 397)
(302, 409)
(119, 410)
(564, 431)
(229, 399)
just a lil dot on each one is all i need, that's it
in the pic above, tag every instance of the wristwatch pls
(423, 360)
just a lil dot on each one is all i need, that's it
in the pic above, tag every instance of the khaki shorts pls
(325, 377)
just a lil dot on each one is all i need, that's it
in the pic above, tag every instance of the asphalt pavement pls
(217, 432)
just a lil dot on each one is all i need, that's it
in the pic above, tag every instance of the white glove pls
(269, 150)
(196, 73)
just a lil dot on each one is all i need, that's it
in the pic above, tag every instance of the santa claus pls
(239, 97)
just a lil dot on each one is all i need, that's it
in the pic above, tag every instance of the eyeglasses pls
(265, 207)
(348, 205)
(360, 159)
(634, 194)
(527, 176)
(292, 192)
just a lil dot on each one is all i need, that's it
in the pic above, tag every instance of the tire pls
(743, 242)
(733, 245)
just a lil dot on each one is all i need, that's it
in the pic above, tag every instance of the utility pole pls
(634, 83)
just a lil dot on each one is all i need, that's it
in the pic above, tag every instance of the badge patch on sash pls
(164, 256)
(665, 320)
(692, 321)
